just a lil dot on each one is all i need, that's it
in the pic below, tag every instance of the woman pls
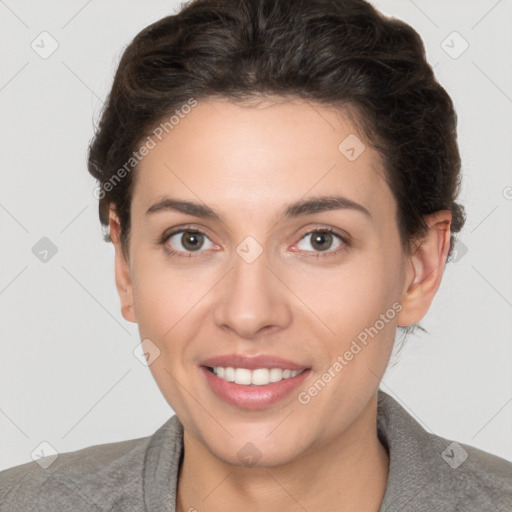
(279, 181)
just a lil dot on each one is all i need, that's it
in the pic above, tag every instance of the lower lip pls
(253, 397)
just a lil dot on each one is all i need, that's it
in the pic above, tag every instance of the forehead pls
(266, 154)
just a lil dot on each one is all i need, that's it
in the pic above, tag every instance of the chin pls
(257, 452)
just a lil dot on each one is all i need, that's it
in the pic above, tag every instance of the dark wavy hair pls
(342, 53)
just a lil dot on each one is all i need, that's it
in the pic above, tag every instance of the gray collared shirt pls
(427, 473)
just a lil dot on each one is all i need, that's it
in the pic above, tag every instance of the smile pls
(252, 389)
(256, 377)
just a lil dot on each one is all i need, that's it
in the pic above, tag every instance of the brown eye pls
(188, 241)
(191, 241)
(321, 240)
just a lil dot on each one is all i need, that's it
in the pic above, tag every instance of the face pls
(258, 285)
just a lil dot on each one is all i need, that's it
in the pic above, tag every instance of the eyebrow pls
(299, 208)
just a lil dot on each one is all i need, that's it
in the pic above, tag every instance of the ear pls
(122, 269)
(426, 266)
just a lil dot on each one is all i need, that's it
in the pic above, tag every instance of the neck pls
(349, 471)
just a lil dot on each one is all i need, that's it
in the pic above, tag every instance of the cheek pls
(168, 300)
(346, 298)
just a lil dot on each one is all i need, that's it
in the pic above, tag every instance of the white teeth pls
(276, 374)
(242, 376)
(229, 374)
(257, 377)
(260, 377)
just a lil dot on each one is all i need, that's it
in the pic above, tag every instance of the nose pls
(254, 300)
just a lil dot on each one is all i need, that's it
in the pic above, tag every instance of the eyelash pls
(317, 254)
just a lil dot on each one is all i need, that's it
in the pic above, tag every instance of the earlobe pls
(426, 266)
(122, 269)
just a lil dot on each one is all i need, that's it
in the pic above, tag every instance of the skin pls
(247, 161)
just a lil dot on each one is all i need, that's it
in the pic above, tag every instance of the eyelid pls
(164, 238)
(178, 229)
(344, 237)
(345, 240)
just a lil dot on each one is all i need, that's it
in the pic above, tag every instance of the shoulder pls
(466, 477)
(485, 478)
(429, 472)
(99, 477)
(72, 480)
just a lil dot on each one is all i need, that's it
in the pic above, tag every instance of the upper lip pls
(252, 362)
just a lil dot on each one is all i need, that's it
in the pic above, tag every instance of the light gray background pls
(68, 374)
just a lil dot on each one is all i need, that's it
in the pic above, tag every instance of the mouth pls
(252, 383)
(256, 377)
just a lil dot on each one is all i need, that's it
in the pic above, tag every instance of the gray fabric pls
(141, 474)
